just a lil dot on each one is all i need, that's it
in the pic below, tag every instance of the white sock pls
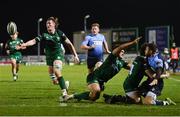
(64, 92)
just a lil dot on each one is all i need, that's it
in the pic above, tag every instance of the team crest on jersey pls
(58, 38)
(58, 57)
(47, 37)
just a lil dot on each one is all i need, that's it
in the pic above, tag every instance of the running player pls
(14, 50)
(94, 43)
(53, 51)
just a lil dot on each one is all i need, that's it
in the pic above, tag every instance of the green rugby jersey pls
(111, 66)
(52, 43)
(11, 46)
(135, 75)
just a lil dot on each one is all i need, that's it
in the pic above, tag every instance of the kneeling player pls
(104, 73)
(132, 81)
(152, 87)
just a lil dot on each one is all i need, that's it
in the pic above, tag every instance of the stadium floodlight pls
(85, 22)
(38, 33)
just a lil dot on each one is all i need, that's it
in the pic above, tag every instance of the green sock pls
(62, 83)
(84, 95)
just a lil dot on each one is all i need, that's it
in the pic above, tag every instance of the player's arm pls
(106, 46)
(151, 74)
(158, 72)
(85, 45)
(117, 50)
(72, 49)
(7, 49)
(19, 47)
(29, 43)
(127, 65)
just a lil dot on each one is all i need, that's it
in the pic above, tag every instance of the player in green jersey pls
(132, 81)
(132, 87)
(14, 51)
(110, 67)
(53, 39)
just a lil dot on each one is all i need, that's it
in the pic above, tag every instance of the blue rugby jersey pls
(155, 61)
(97, 40)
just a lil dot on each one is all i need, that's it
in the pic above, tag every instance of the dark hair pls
(142, 49)
(55, 20)
(95, 24)
(152, 47)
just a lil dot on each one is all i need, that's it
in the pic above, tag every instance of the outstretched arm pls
(72, 49)
(29, 43)
(117, 50)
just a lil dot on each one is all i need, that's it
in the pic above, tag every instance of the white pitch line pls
(174, 79)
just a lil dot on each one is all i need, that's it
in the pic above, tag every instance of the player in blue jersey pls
(153, 86)
(94, 43)
(135, 76)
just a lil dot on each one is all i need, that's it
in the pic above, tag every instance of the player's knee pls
(147, 101)
(138, 100)
(97, 65)
(58, 66)
(96, 96)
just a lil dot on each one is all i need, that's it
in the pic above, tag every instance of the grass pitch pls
(33, 94)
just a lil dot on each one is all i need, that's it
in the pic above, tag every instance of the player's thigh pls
(149, 98)
(98, 64)
(13, 61)
(57, 64)
(94, 87)
(134, 95)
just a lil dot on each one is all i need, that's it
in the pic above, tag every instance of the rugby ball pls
(11, 28)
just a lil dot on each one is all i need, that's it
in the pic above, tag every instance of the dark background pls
(108, 13)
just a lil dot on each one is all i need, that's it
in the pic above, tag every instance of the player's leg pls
(151, 95)
(151, 99)
(173, 65)
(92, 95)
(13, 69)
(98, 64)
(52, 75)
(17, 68)
(91, 64)
(130, 98)
(176, 65)
(134, 95)
(94, 91)
(57, 68)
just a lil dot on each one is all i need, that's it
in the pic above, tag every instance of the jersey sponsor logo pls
(97, 42)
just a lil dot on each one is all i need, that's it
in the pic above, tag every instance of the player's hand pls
(18, 47)
(109, 52)
(154, 82)
(76, 59)
(137, 39)
(92, 46)
(23, 45)
(165, 75)
(8, 52)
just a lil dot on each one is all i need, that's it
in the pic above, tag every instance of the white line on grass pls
(174, 79)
